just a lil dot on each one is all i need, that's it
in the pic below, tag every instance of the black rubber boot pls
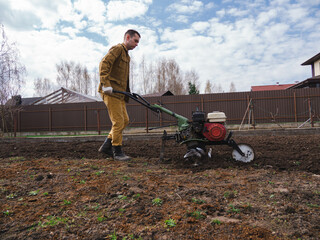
(119, 155)
(106, 147)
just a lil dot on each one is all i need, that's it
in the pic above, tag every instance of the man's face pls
(132, 42)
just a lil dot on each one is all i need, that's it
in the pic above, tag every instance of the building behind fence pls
(283, 106)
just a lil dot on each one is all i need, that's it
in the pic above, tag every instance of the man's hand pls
(107, 90)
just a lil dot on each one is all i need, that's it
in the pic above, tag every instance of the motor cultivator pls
(203, 130)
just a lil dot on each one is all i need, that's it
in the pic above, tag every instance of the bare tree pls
(86, 81)
(217, 88)
(193, 78)
(163, 75)
(95, 82)
(11, 76)
(208, 87)
(73, 76)
(143, 70)
(132, 75)
(64, 76)
(169, 77)
(175, 78)
(232, 87)
(43, 87)
(161, 78)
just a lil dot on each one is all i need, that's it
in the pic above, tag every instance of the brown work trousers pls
(119, 118)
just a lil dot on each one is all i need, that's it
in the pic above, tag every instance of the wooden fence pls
(290, 106)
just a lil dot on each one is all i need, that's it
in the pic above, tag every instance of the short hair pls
(132, 32)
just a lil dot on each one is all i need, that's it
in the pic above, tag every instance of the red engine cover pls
(214, 131)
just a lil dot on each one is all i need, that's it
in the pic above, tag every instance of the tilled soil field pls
(67, 190)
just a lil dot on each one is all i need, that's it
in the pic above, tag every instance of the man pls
(114, 74)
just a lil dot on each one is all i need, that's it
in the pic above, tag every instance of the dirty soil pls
(70, 191)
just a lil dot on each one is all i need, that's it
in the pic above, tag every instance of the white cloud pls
(41, 51)
(237, 12)
(186, 7)
(121, 10)
(45, 11)
(252, 43)
(200, 26)
(94, 10)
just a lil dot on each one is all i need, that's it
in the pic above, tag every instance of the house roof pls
(271, 87)
(64, 95)
(306, 82)
(29, 101)
(312, 60)
(159, 94)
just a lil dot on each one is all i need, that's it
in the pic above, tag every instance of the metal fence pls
(297, 105)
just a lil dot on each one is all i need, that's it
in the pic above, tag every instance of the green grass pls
(216, 221)
(157, 202)
(52, 221)
(197, 201)
(170, 222)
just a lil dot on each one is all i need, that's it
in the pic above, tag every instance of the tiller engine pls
(203, 130)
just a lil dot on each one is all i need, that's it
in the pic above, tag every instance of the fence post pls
(310, 112)
(50, 119)
(19, 121)
(85, 117)
(147, 120)
(295, 106)
(98, 119)
(15, 124)
(201, 99)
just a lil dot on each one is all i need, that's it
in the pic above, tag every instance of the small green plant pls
(131, 236)
(82, 182)
(52, 221)
(198, 201)
(113, 236)
(136, 196)
(96, 207)
(230, 194)
(116, 172)
(247, 206)
(310, 205)
(157, 202)
(125, 178)
(93, 167)
(34, 193)
(11, 196)
(196, 215)
(68, 170)
(233, 209)
(66, 202)
(17, 158)
(216, 221)
(99, 173)
(45, 194)
(170, 222)
(122, 210)
(122, 197)
(101, 218)
(7, 213)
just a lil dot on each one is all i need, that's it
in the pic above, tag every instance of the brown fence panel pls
(265, 107)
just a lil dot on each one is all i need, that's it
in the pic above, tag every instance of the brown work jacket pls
(114, 70)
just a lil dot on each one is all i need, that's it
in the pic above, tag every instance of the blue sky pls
(255, 42)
